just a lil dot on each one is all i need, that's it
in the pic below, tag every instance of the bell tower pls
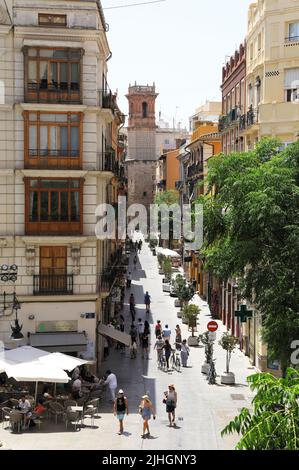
(142, 123)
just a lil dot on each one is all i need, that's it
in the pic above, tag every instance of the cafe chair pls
(89, 413)
(72, 417)
(56, 409)
(16, 420)
(5, 415)
(68, 403)
(93, 403)
(14, 402)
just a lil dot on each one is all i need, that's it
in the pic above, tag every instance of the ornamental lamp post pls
(10, 274)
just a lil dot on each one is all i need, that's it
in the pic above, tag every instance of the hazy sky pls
(180, 45)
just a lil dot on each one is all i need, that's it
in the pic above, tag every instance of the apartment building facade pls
(56, 166)
(272, 72)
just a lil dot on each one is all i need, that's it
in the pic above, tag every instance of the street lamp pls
(10, 274)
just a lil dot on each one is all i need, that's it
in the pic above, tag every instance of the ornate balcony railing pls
(249, 119)
(229, 119)
(107, 99)
(53, 284)
(36, 93)
(106, 160)
(194, 169)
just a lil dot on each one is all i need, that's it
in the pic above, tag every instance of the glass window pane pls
(53, 117)
(33, 209)
(74, 140)
(74, 117)
(64, 213)
(75, 54)
(60, 54)
(46, 53)
(54, 205)
(33, 183)
(44, 197)
(63, 139)
(32, 137)
(43, 74)
(54, 132)
(32, 72)
(63, 76)
(75, 214)
(55, 184)
(74, 183)
(32, 52)
(32, 116)
(44, 140)
(74, 76)
(53, 74)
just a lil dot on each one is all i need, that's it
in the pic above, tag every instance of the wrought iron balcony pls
(229, 119)
(194, 169)
(250, 118)
(106, 160)
(179, 185)
(107, 99)
(53, 284)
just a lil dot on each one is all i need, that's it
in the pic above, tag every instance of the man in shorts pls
(120, 409)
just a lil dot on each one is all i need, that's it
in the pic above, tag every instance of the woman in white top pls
(184, 353)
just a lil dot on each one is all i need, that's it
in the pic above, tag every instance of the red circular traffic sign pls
(212, 326)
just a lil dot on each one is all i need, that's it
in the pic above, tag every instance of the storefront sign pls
(54, 326)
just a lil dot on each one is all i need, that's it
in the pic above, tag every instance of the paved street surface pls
(203, 410)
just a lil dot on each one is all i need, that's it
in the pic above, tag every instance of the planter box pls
(184, 320)
(177, 303)
(166, 287)
(161, 271)
(179, 314)
(192, 341)
(205, 368)
(228, 378)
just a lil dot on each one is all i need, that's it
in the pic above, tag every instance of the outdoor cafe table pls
(78, 409)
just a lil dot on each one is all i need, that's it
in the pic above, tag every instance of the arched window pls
(144, 109)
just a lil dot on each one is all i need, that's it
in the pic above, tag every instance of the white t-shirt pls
(77, 385)
(24, 405)
(140, 327)
(129, 277)
(111, 381)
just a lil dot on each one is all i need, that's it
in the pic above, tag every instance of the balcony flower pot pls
(228, 378)
(192, 341)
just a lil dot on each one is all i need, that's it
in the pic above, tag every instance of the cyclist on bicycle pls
(159, 346)
(167, 348)
(147, 301)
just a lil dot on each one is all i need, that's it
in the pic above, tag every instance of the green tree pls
(251, 231)
(191, 312)
(229, 344)
(167, 268)
(273, 424)
(184, 290)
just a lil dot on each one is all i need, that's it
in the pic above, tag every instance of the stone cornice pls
(52, 107)
(58, 298)
(52, 173)
(4, 172)
(5, 29)
(55, 240)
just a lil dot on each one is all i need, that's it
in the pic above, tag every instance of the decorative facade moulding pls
(52, 240)
(75, 255)
(30, 253)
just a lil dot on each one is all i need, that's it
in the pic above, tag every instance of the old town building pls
(58, 122)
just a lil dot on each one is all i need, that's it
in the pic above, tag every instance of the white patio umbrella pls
(62, 361)
(4, 364)
(23, 354)
(36, 372)
(167, 252)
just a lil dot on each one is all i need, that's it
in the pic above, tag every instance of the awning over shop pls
(117, 335)
(167, 252)
(59, 342)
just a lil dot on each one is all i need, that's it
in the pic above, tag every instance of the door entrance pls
(53, 269)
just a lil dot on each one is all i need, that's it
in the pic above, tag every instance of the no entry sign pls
(212, 326)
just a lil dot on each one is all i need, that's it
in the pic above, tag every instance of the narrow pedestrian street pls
(203, 409)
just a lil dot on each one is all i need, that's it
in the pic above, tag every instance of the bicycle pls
(162, 362)
(175, 360)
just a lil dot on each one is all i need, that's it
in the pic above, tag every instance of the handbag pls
(164, 401)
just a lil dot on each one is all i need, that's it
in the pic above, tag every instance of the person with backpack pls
(158, 329)
(121, 409)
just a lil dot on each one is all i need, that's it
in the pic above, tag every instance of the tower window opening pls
(144, 109)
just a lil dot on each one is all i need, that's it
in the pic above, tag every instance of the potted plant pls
(160, 261)
(176, 286)
(167, 269)
(229, 344)
(190, 314)
(205, 339)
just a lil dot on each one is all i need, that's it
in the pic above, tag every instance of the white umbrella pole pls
(35, 398)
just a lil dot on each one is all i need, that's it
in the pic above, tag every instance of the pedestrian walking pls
(158, 329)
(185, 350)
(144, 345)
(121, 323)
(147, 301)
(132, 306)
(170, 399)
(133, 348)
(178, 338)
(136, 246)
(129, 279)
(135, 259)
(106, 347)
(111, 381)
(121, 409)
(147, 328)
(133, 333)
(166, 333)
(159, 346)
(146, 409)
(167, 348)
(140, 327)
(139, 246)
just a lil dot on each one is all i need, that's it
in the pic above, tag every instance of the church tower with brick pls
(141, 158)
